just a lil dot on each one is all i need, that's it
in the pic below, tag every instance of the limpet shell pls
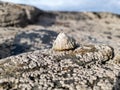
(64, 42)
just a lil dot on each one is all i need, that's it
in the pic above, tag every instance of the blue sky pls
(74, 5)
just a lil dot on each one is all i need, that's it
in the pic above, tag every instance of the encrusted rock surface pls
(17, 15)
(50, 70)
(92, 66)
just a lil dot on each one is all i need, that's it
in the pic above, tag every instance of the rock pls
(89, 53)
(90, 67)
(17, 15)
(87, 16)
(117, 58)
(26, 41)
(45, 69)
(64, 42)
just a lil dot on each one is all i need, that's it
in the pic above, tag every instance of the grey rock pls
(85, 68)
(25, 41)
(17, 15)
(50, 70)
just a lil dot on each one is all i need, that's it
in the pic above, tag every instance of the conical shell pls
(64, 42)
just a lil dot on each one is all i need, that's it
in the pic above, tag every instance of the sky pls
(73, 5)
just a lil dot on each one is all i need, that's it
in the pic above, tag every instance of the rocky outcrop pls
(95, 66)
(87, 15)
(66, 70)
(21, 15)
(17, 15)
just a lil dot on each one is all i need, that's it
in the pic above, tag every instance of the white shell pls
(64, 42)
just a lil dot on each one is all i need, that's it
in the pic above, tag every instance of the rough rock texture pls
(17, 15)
(70, 70)
(87, 15)
(24, 41)
(67, 70)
